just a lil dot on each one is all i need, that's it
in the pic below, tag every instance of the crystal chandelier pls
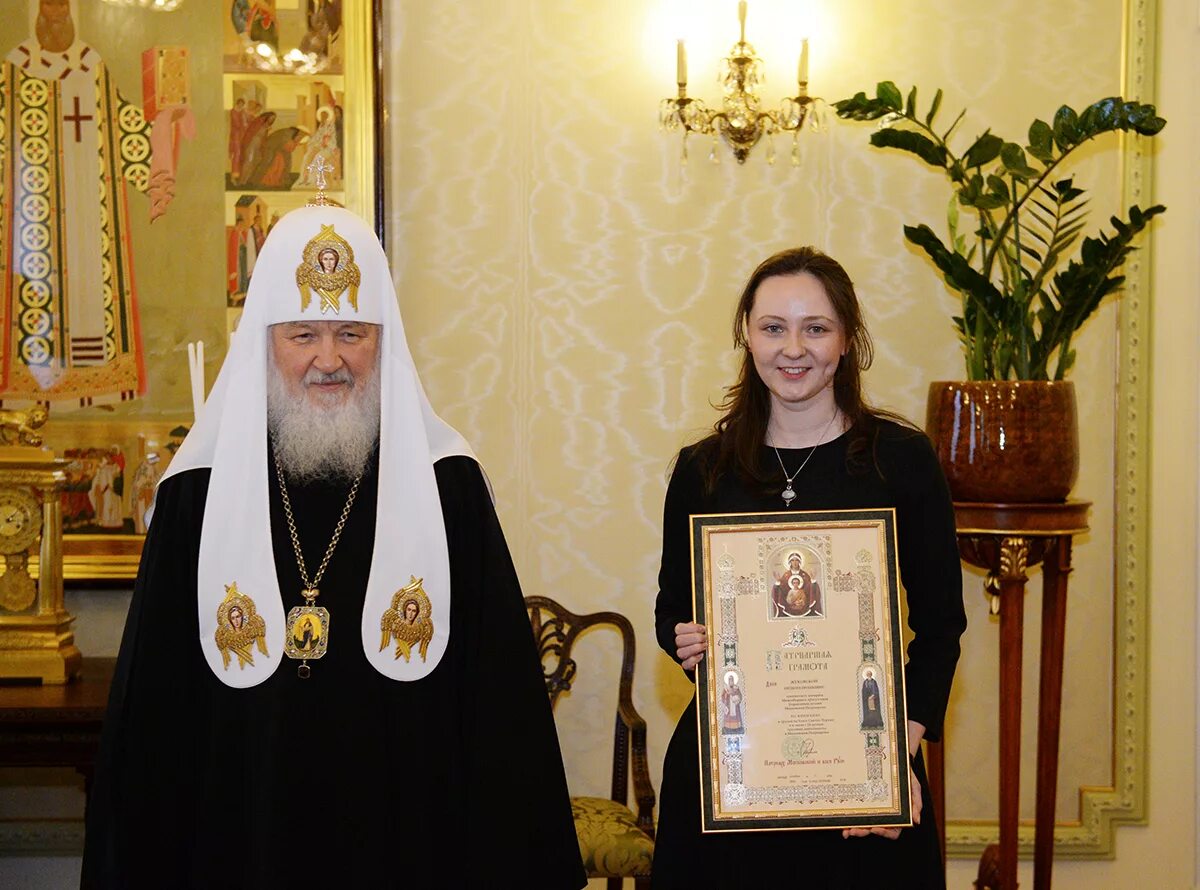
(740, 122)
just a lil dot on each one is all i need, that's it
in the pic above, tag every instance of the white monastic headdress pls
(230, 437)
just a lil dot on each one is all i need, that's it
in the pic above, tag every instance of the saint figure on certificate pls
(795, 594)
(731, 700)
(872, 709)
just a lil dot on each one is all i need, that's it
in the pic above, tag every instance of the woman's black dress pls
(899, 470)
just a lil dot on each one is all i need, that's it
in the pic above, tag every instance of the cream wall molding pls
(1124, 801)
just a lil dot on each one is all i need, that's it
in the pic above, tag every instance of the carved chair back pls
(555, 629)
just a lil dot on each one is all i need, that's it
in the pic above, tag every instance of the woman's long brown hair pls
(741, 431)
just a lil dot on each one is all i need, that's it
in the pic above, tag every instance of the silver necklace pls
(788, 494)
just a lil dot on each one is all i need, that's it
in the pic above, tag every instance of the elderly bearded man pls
(275, 716)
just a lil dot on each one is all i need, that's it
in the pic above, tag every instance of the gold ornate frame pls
(1124, 801)
(874, 626)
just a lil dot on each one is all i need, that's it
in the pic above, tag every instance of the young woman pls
(796, 433)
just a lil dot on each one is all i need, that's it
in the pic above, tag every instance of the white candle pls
(803, 75)
(680, 63)
(196, 375)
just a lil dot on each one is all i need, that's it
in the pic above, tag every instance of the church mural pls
(74, 146)
(277, 126)
(309, 26)
(144, 157)
(275, 135)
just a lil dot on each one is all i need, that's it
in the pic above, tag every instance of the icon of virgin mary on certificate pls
(801, 694)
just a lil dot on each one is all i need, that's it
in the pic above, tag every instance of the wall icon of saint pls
(93, 496)
(244, 239)
(323, 19)
(70, 145)
(145, 479)
(325, 142)
(108, 490)
(265, 143)
(255, 21)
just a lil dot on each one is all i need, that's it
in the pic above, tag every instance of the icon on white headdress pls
(329, 269)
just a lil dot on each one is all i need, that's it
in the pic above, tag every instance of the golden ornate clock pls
(20, 526)
(36, 640)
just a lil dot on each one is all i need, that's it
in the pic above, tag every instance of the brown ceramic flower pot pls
(1011, 441)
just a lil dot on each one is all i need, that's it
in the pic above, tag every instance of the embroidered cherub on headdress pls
(329, 269)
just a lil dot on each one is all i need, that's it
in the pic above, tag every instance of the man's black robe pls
(454, 780)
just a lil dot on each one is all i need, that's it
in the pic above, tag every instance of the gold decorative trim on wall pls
(1102, 808)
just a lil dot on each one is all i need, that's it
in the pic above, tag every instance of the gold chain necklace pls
(307, 633)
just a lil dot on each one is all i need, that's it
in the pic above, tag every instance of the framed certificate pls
(801, 692)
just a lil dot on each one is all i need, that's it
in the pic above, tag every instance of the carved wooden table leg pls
(988, 877)
(1014, 553)
(1005, 539)
(1056, 568)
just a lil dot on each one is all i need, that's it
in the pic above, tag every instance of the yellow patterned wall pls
(567, 288)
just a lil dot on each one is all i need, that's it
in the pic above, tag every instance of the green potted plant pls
(1022, 298)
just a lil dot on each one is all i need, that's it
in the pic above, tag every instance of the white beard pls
(315, 441)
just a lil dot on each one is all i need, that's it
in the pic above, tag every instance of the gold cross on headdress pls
(319, 168)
